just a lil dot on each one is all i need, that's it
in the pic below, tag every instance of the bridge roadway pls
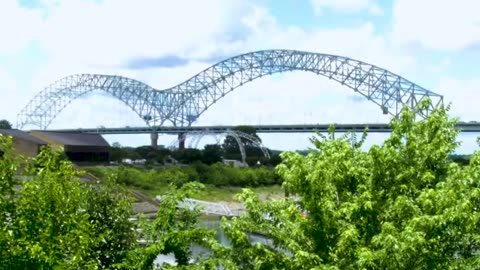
(305, 128)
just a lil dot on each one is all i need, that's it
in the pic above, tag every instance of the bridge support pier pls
(181, 141)
(154, 139)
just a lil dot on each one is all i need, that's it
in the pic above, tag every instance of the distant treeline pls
(209, 155)
(461, 159)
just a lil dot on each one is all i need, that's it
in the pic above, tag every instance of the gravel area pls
(234, 206)
(144, 207)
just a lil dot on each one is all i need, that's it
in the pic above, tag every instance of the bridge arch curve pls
(47, 104)
(184, 103)
(389, 91)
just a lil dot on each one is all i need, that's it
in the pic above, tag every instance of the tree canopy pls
(230, 145)
(54, 221)
(4, 124)
(401, 205)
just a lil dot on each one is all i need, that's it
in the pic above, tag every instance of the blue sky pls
(433, 43)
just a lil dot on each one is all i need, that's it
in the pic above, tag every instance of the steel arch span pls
(184, 103)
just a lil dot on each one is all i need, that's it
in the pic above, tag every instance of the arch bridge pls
(181, 105)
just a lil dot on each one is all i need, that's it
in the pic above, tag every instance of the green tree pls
(187, 155)
(4, 124)
(118, 154)
(211, 154)
(132, 154)
(116, 145)
(143, 151)
(174, 230)
(109, 210)
(47, 228)
(53, 220)
(401, 205)
(230, 144)
(9, 164)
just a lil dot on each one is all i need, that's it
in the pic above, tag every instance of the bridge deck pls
(306, 128)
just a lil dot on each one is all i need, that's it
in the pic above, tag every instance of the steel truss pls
(182, 104)
(197, 136)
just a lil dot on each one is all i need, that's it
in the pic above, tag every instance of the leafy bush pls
(173, 232)
(54, 221)
(401, 205)
(217, 174)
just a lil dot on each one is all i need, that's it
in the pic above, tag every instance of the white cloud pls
(18, 27)
(439, 25)
(463, 96)
(114, 31)
(8, 90)
(347, 6)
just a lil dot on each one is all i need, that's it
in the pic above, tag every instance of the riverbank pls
(146, 204)
(144, 184)
(221, 182)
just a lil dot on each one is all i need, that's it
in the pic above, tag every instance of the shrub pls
(54, 221)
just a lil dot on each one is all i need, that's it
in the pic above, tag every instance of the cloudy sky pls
(435, 43)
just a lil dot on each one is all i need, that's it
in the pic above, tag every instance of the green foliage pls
(54, 221)
(151, 179)
(401, 205)
(118, 153)
(4, 124)
(109, 210)
(218, 175)
(280, 220)
(174, 231)
(223, 175)
(209, 155)
(230, 144)
(461, 159)
(212, 153)
(151, 154)
(8, 166)
(187, 155)
(50, 227)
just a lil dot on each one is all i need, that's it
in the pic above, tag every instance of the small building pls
(78, 147)
(24, 143)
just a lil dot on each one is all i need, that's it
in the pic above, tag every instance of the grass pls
(225, 194)
(210, 193)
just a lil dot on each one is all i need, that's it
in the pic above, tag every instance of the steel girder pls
(389, 91)
(184, 103)
(47, 104)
